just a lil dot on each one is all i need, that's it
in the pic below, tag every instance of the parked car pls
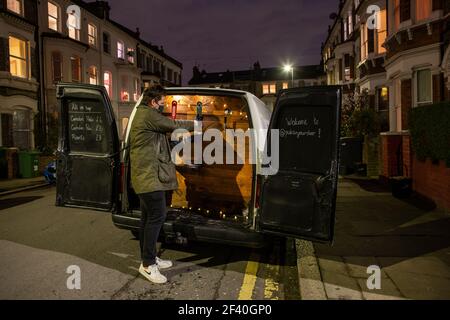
(231, 204)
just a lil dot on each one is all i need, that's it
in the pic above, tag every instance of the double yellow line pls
(271, 285)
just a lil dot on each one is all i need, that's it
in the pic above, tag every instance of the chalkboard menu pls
(87, 125)
(306, 138)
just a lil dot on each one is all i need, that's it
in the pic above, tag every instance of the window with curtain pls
(76, 68)
(424, 86)
(124, 93)
(107, 82)
(93, 77)
(73, 25)
(364, 46)
(130, 54)
(92, 35)
(18, 57)
(120, 50)
(381, 30)
(15, 6)
(22, 129)
(402, 12)
(383, 98)
(424, 8)
(53, 16)
(57, 66)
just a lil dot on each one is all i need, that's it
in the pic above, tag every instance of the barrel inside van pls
(216, 191)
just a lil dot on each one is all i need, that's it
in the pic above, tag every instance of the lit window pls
(383, 98)
(15, 6)
(107, 82)
(53, 16)
(73, 24)
(93, 78)
(57, 66)
(273, 88)
(424, 9)
(130, 54)
(364, 42)
(18, 57)
(424, 90)
(76, 69)
(136, 90)
(120, 50)
(285, 85)
(124, 94)
(92, 35)
(381, 30)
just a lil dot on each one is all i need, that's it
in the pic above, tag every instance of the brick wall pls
(390, 145)
(406, 156)
(438, 81)
(432, 181)
(406, 102)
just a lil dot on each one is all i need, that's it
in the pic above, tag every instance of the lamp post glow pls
(289, 68)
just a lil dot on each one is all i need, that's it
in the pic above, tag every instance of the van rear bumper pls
(200, 229)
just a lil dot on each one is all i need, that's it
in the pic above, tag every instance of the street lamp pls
(290, 68)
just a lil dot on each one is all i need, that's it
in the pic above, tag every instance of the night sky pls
(218, 35)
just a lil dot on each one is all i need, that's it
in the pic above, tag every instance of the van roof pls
(209, 90)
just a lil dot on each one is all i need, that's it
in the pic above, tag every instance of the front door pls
(299, 200)
(88, 159)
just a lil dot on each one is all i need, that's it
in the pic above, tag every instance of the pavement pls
(12, 186)
(408, 240)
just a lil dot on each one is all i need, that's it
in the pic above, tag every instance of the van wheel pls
(136, 234)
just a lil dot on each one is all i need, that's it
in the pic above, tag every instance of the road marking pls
(248, 285)
(271, 286)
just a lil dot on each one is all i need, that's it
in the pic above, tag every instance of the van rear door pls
(299, 200)
(88, 159)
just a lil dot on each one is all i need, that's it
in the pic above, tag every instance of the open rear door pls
(299, 201)
(88, 159)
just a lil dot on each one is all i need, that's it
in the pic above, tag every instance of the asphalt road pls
(41, 245)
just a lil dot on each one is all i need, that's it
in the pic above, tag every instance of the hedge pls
(430, 132)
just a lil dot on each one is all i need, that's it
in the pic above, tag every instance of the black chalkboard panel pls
(87, 124)
(306, 138)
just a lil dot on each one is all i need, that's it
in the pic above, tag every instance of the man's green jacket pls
(152, 168)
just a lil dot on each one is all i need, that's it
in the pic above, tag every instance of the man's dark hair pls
(155, 92)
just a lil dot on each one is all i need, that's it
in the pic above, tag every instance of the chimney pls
(138, 32)
(102, 8)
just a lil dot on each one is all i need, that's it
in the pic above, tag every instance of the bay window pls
(73, 25)
(124, 93)
(93, 77)
(76, 68)
(424, 86)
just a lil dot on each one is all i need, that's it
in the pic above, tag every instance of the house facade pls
(264, 83)
(19, 72)
(81, 44)
(401, 59)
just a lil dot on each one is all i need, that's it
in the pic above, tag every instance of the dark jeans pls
(154, 213)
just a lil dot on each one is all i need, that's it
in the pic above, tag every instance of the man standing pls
(152, 174)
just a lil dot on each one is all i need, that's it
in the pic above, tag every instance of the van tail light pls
(258, 192)
(121, 177)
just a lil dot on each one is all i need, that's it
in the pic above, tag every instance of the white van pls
(222, 203)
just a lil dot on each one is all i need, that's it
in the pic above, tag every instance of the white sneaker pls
(163, 264)
(152, 274)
